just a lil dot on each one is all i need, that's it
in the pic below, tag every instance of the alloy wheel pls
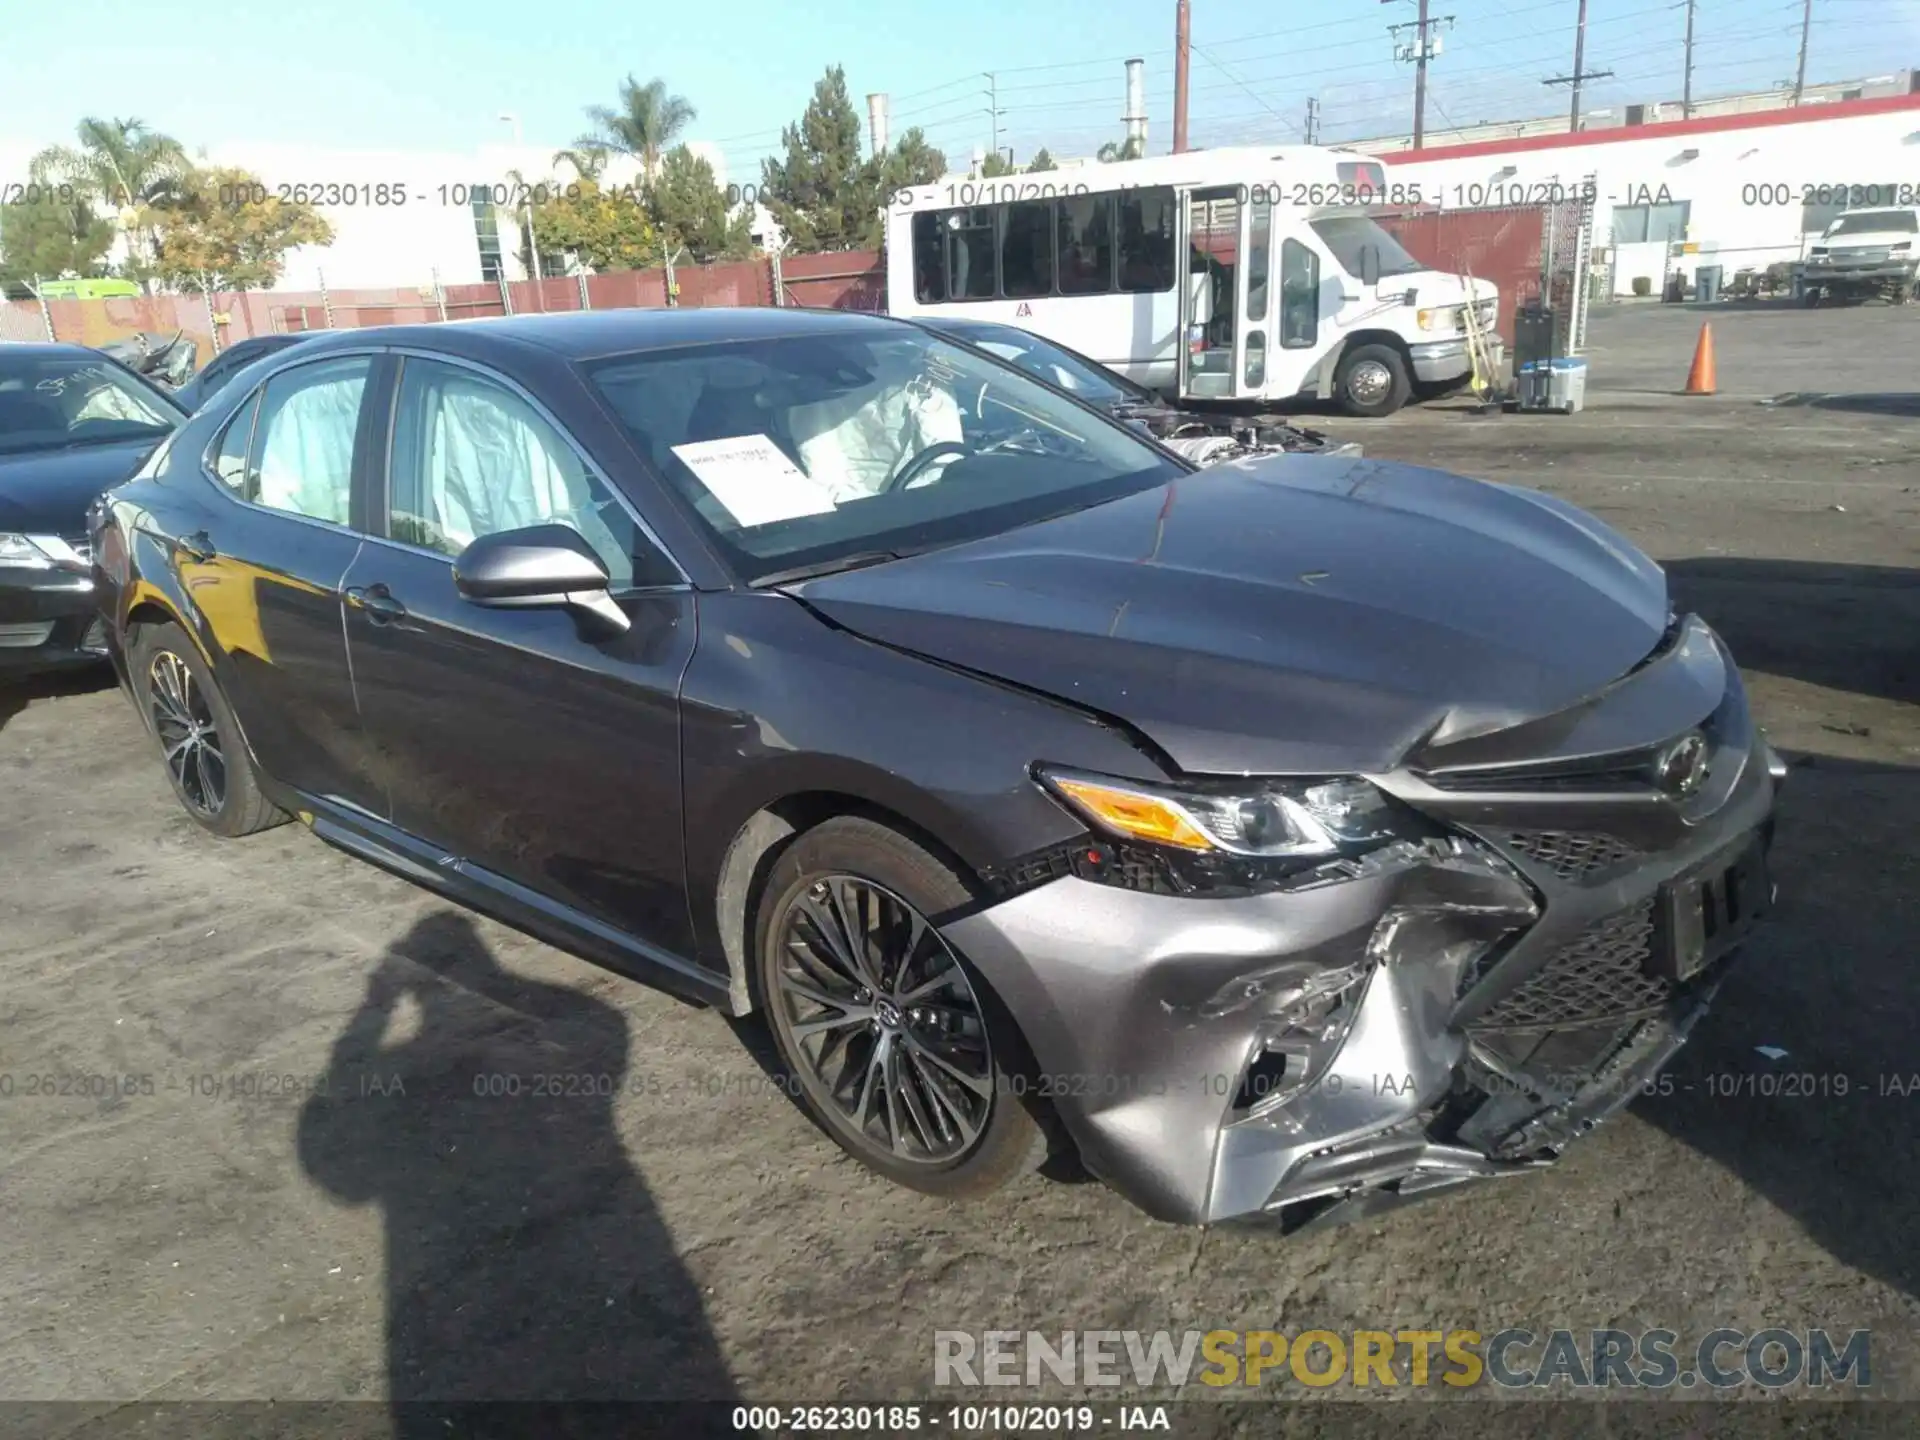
(884, 1024)
(1369, 382)
(189, 738)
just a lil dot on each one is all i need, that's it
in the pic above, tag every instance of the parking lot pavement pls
(188, 1217)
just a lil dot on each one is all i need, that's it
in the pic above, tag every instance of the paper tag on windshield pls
(754, 479)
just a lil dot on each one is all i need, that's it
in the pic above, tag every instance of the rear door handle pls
(377, 601)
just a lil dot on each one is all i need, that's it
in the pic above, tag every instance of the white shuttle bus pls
(1326, 303)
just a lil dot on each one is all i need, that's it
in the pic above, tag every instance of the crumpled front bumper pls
(1481, 1025)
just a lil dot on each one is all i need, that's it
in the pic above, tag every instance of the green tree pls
(57, 234)
(601, 229)
(131, 171)
(646, 122)
(911, 161)
(588, 162)
(1041, 161)
(997, 164)
(689, 209)
(1127, 149)
(823, 195)
(215, 234)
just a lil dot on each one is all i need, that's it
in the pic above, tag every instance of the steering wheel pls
(908, 472)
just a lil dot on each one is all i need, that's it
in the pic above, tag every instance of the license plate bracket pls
(1702, 916)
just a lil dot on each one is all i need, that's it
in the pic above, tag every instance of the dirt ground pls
(201, 1226)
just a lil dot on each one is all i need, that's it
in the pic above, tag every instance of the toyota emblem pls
(1682, 766)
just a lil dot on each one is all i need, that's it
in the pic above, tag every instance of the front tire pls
(894, 1043)
(1373, 381)
(200, 743)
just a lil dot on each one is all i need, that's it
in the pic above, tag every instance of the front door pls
(510, 738)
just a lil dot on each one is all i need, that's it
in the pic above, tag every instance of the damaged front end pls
(1307, 1044)
(1207, 439)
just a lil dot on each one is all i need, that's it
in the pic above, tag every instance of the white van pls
(1138, 264)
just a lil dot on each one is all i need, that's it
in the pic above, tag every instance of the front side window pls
(62, 402)
(472, 458)
(301, 458)
(804, 449)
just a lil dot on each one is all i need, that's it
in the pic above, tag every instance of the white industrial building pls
(1742, 184)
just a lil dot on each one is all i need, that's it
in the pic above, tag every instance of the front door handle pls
(197, 547)
(377, 601)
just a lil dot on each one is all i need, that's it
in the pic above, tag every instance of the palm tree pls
(589, 162)
(645, 125)
(122, 162)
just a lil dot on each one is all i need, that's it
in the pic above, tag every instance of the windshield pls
(53, 401)
(1869, 221)
(1347, 235)
(1048, 361)
(808, 450)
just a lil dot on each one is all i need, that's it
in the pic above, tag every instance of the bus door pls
(1218, 354)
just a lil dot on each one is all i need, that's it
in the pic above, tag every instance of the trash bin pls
(1706, 282)
(1567, 385)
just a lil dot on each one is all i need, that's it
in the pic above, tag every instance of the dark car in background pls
(1204, 437)
(72, 424)
(1290, 840)
(229, 363)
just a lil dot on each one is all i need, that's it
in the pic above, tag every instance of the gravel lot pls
(227, 1237)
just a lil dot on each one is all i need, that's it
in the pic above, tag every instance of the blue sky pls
(430, 74)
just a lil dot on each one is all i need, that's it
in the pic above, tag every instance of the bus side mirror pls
(1369, 265)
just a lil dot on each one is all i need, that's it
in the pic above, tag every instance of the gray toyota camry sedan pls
(1289, 839)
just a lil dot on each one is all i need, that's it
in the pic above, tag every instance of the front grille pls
(1601, 976)
(1569, 854)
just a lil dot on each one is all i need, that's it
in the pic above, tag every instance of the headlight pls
(22, 553)
(1903, 245)
(1425, 318)
(1263, 819)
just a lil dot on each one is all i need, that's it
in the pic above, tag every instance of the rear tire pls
(911, 1064)
(205, 756)
(1373, 381)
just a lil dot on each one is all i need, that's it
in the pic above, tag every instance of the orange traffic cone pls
(1700, 379)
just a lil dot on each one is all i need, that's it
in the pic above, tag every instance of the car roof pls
(593, 334)
(51, 348)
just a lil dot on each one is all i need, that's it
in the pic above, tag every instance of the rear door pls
(510, 738)
(264, 572)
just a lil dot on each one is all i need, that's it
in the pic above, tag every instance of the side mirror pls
(540, 567)
(1369, 265)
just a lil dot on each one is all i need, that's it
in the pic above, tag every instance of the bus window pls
(1259, 243)
(1299, 295)
(929, 258)
(1146, 240)
(970, 254)
(1026, 249)
(1086, 244)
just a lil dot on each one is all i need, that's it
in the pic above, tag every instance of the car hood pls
(1284, 614)
(47, 492)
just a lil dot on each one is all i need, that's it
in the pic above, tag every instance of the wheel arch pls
(759, 839)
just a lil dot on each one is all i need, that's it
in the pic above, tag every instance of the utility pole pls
(1182, 45)
(1313, 121)
(1422, 48)
(993, 107)
(1580, 72)
(1686, 96)
(1806, 28)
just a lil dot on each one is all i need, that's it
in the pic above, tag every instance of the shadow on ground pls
(1829, 1131)
(526, 1260)
(17, 694)
(1853, 628)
